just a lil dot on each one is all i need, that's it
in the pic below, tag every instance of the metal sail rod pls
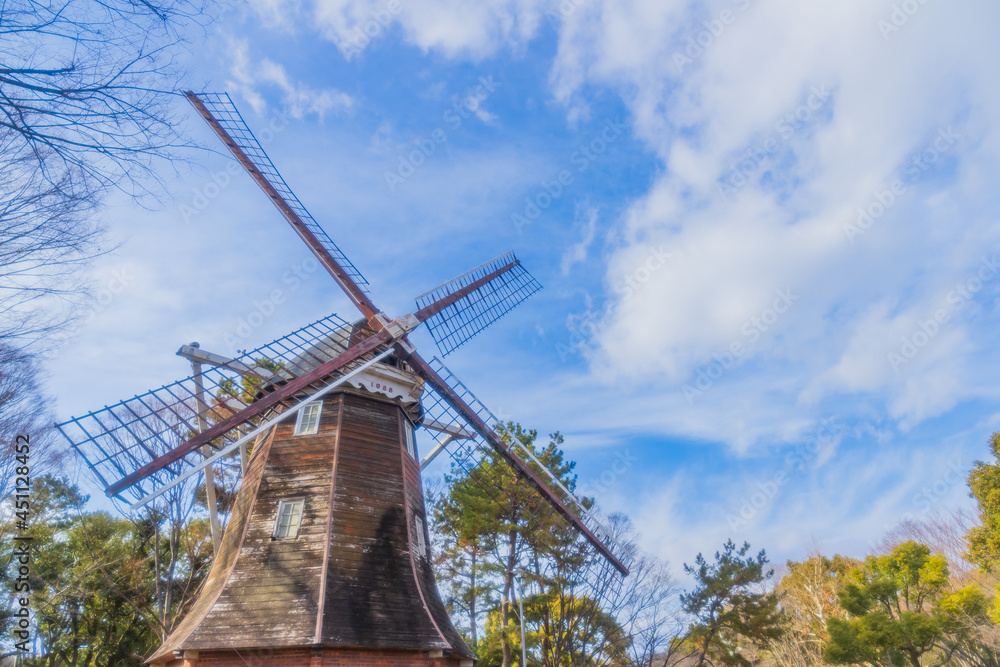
(430, 375)
(467, 273)
(252, 410)
(206, 452)
(197, 355)
(258, 430)
(438, 306)
(555, 480)
(440, 447)
(351, 288)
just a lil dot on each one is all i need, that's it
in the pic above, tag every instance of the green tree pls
(104, 590)
(462, 576)
(900, 611)
(597, 639)
(491, 515)
(730, 607)
(808, 593)
(570, 630)
(984, 485)
(491, 511)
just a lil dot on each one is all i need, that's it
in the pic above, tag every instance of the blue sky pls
(770, 290)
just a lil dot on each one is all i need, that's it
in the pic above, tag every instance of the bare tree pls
(945, 533)
(46, 239)
(601, 619)
(85, 84)
(86, 100)
(647, 606)
(24, 413)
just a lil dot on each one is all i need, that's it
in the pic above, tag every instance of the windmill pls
(324, 559)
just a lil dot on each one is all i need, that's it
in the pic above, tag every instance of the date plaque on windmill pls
(325, 556)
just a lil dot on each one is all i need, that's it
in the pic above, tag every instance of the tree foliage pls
(901, 611)
(729, 606)
(105, 591)
(984, 485)
(497, 538)
(513, 530)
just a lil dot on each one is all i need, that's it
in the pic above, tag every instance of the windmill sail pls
(121, 439)
(439, 409)
(363, 452)
(459, 309)
(599, 573)
(224, 118)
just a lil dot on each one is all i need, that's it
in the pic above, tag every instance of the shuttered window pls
(411, 446)
(307, 421)
(286, 525)
(418, 538)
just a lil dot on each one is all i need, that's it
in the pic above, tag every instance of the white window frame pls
(293, 527)
(411, 443)
(305, 425)
(419, 542)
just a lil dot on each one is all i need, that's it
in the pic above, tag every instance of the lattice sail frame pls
(598, 578)
(228, 116)
(457, 323)
(474, 300)
(119, 439)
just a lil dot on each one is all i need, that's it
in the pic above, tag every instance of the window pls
(286, 526)
(410, 445)
(418, 529)
(307, 421)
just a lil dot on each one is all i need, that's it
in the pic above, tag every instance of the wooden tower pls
(325, 559)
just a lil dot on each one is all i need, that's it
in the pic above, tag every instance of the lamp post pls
(520, 607)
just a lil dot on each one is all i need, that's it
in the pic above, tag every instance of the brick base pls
(310, 657)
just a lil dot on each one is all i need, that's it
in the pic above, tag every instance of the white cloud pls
(888, 99)
(586, 218)
(821, 109)
(451, 27)
(474, 102)
(278, 14)
(298, 99)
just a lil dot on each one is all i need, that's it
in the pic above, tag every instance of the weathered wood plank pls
(356, 585)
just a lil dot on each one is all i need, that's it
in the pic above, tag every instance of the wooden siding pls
(422, 566)
(229, 550)
(372, 597)
(273, 595)
(349, 578)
